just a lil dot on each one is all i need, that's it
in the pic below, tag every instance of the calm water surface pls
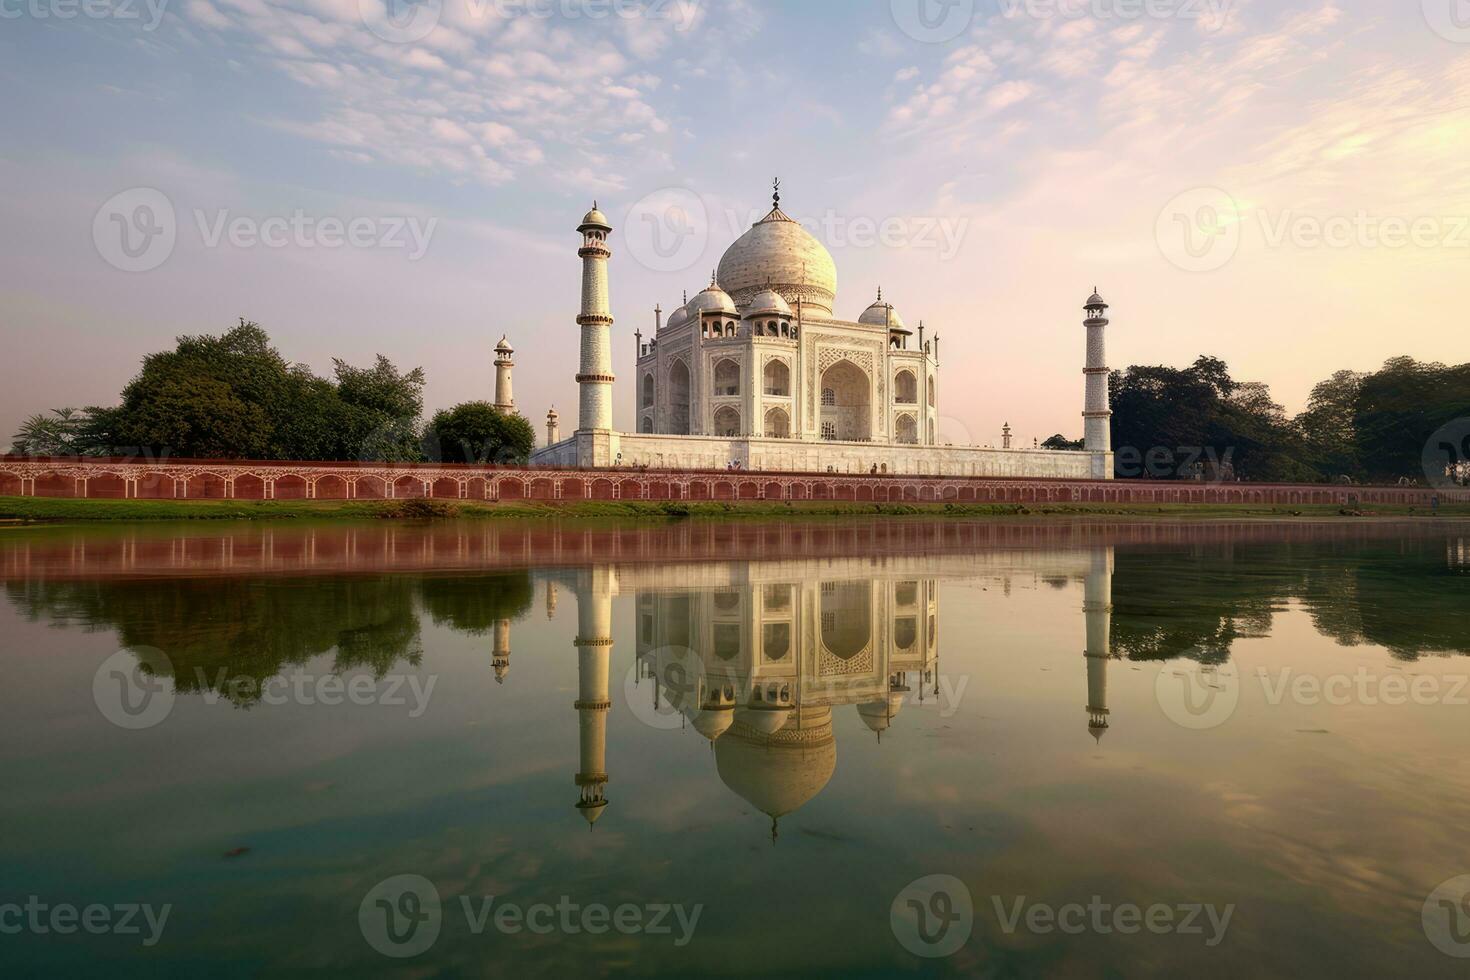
(1130, 749)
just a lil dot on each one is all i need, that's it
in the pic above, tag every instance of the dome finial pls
(776, 193)
(713, 273)
(880, 294)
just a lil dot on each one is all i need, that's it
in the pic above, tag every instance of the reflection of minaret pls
(1097, 609)
(550, 599)
(500, 658)
(594, 648)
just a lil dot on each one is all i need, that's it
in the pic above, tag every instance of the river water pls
(921, 747)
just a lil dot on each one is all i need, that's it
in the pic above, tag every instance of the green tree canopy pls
(474, 432)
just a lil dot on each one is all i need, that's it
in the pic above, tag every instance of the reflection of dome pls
(767, 302)
(778, 253)
(780, 773)
(591, 811)
(878, 715)
(713, 722)
(762, 718)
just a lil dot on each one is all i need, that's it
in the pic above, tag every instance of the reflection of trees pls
(218, 631)
(1401, 595)
(473, 603)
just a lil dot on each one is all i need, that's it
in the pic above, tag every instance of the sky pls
(1278, 183)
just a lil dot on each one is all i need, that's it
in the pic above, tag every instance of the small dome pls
(767, 719)
(713, 722)
(878, 715)
(881, 314)
(767, 302)
(1095, 301)
(504, 346)
(678, 316)
(591, 811)
(712, 299)
(594, 219)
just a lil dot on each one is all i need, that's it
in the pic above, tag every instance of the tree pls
(234, 395)
(1061, 442)
(475, 432)
(1328, 425)
(49, 435)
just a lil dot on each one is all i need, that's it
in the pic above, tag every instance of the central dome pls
(778, 253)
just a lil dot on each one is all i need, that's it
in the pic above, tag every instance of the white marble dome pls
(778, 253)
(779, 773)
(767, 302)
(710, 299)
(882, 314)
(713, 722)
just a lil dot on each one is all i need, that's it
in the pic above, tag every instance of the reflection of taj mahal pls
(758, 657)
(757, 370)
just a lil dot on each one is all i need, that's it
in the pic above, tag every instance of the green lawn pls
(54, 509)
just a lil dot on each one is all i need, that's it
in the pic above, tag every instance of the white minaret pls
(595, 378)
(594, 650)
(505, 401)
(500, 656)
(1096, 417)
(1097, 610)
(553, 428)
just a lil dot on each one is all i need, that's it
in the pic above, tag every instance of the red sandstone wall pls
(284, 480)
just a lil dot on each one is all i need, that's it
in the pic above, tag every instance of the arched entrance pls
(679, 399)
(846, 412)
(778, 424)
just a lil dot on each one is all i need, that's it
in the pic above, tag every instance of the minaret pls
(594, 649)
(1096, 417)
(553, 428)
(1097, 610)
(505, 402)
(595, 378)
(500, 657)
(1005, 436)
(550, 600)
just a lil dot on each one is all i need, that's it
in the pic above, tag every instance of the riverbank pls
(24, 510)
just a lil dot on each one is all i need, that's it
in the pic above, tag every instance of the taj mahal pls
(756, 371)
